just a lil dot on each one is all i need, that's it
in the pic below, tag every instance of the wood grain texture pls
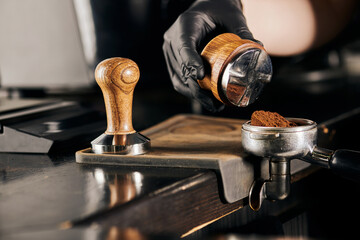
(117, 78)
(189, 140)
(196, 137)
(217, 54)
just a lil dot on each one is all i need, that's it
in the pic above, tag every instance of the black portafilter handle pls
(342, 161)
(346, 163)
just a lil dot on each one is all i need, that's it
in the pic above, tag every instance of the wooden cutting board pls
(186, 137)
(193, 141)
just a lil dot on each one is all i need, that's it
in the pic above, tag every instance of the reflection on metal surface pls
(245, 77)
(92, 233)
(138, 181)
(53, 127)
(99, 176)
(40, 190)
(111, 189)
(115, 233)
(122, 190)
(121, 187)
(127, 144)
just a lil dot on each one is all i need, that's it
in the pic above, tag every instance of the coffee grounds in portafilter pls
(270, 119)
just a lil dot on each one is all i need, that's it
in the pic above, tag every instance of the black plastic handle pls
(346, 163)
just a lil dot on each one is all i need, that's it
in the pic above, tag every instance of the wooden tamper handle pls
(117, 78)
(223, 54)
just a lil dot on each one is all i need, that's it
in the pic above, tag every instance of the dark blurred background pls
(317, 85)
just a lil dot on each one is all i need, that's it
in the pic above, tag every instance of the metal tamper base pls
(238, 69)
(245, 76)
(127, 144)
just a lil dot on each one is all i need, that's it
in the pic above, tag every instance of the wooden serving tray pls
(194, 141)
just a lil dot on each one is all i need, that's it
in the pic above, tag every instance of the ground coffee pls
(270, 119)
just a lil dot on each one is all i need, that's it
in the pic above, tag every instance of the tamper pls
(238, 69)
(117, 78)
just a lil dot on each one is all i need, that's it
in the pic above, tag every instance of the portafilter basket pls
(281, 144)
(287, 142)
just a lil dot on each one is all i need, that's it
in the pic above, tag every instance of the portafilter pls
(282, 144)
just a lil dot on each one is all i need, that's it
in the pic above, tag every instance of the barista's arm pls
(293, 27)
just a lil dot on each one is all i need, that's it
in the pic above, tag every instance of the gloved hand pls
(183, 38)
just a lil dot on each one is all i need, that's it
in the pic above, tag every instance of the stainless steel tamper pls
(239, 69)
(117, 78)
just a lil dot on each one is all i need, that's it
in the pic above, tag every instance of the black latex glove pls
(183, 38)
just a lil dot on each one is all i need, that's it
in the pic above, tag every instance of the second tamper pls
(238, 69)
(117, 78)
